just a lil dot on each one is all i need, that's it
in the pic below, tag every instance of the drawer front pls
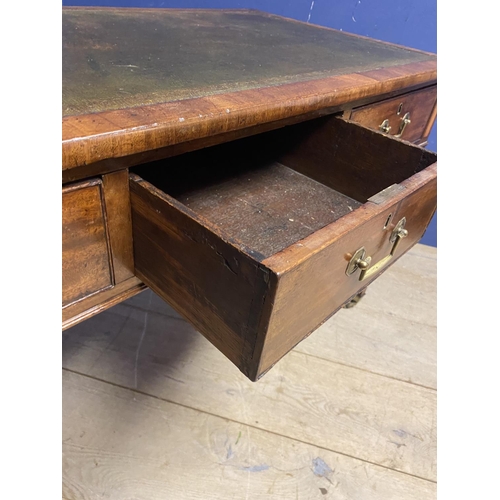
(310, 291)
(86, 264)
(409, 117)
(256, 266)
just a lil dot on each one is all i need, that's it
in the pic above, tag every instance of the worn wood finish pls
(391, 331)
(311, 396)
(114, 164)
(323, 149)
(124, 444)
(263, 205)
(86, 262)
(419, 104)
(269, 207)
(206, 278)
(120, 133)
(312, 283)
(117, 200)
(127, 104)
(198, 257)
(98, 302)
(237, 257)
(125, 58)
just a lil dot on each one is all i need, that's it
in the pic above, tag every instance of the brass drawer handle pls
(361, 261)
(404, 122)
(385, 127)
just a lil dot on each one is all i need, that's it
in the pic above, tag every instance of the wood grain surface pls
(392, 331)
(98, 264)
(253, 253)
(121, 133)
(123, 98)
(208, 279)
(135, 159)
(86, 261)
(231, 460)
(420, 105)
(98, 302)
(117, 201)
(152, 410)
(310, 289)
(350, 158)
(242, 190)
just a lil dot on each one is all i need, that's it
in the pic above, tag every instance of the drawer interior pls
(250, 240)
(261, 203)
(269, 191)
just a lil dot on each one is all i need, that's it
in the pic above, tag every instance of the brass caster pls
(355, 299)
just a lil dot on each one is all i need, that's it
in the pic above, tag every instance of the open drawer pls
(258, 241)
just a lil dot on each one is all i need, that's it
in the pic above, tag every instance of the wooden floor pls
(152, 411)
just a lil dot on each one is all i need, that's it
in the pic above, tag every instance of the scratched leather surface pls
(115, 59)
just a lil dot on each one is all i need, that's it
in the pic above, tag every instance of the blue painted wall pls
(406, 22)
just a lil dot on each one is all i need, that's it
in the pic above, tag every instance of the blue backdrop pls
(406, 22)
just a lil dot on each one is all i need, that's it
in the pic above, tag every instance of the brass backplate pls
(352, 267)
(400, 225)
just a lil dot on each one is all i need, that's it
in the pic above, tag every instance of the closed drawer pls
(409, 117)
(86, 267)
(257, 242)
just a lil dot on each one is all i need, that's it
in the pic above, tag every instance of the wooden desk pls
(255, 172)
(349, 413)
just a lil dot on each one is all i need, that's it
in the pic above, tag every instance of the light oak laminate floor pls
(152, 411)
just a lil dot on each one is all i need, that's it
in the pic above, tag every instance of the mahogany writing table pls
(256, 172)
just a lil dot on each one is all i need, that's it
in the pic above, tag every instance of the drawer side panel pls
(220, 290)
